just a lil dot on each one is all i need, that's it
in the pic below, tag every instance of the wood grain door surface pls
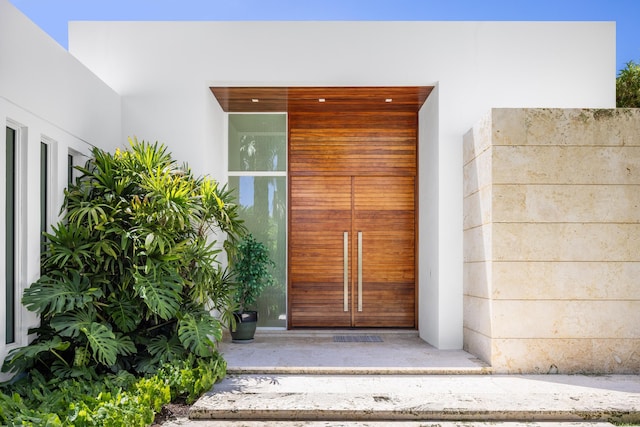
(383, 212)
(316, 250)
(355, 174)
(332, 285)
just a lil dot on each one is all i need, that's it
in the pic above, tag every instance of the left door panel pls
(321, 210)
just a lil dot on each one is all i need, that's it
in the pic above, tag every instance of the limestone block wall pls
(552, 240)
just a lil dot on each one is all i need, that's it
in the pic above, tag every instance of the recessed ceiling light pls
(320, 99)
(388, 100)
(255, 100)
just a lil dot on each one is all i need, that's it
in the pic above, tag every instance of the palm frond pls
(162, 349)
(70, 323)
(105, 345)
(198, 332)
(58, 293)
(124, 311)
(22, 358)
(161, 294)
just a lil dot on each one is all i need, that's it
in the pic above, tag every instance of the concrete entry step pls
(183, 422)
(343, 352)
(392, 398)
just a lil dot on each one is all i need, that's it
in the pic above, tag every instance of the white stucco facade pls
(163, 71)
(152, 79)
(48, 97)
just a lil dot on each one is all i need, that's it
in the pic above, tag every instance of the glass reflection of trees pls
(263, 207)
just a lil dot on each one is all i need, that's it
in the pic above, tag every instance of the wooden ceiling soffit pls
(316, 99)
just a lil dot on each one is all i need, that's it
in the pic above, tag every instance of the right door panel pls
(383, 212)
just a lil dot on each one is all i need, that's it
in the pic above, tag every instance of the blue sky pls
(53, 15)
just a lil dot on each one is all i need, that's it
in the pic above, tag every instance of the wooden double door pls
(352, 217)
(352, 257)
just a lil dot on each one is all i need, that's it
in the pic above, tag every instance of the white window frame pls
(20, 233)
(284, 174)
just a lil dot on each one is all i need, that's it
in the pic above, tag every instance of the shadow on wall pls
(477, 240)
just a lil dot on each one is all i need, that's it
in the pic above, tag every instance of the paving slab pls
(437, 398)
(319, 352)
(185, 422)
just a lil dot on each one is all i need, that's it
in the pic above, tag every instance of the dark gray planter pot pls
(245, 329)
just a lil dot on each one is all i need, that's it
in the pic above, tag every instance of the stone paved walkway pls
(423, 398)
(294, 378)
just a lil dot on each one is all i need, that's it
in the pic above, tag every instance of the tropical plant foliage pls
(252, 271)
(628, 86)
(130, 274)
(111, 400)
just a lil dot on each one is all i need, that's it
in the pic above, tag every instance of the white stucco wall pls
(40, 76)
(163, 71)
(429, 324)
(46, 95)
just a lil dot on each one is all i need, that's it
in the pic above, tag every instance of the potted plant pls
(251, 268)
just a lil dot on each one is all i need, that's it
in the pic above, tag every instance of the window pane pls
(69, 169)
(263, 207)
(44, 174)
(44, 190)
(10, 236)
(257, 142)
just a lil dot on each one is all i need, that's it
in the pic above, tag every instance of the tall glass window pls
(257, 173)
(44, 191)
(69, 169)
(10, 244)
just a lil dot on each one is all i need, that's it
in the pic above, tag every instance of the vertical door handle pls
(346, 270)
(359, 270)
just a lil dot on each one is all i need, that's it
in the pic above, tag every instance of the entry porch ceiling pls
(316, 99)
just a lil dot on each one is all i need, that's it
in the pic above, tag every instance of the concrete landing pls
(433, 398)
(320, 352)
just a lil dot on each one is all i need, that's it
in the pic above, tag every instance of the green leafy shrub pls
(190, 378)
(628, 86)
(130, 275)
(15, 412)
(109, 400)
(80, 403)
